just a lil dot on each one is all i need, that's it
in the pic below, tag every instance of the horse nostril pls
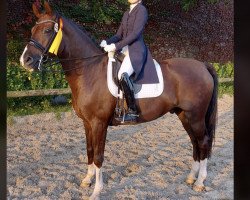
(29, 60)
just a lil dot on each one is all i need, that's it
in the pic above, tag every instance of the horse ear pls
(48, 9)
(36, 10)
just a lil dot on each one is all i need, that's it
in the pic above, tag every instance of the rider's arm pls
(118, 36)
(141, 20)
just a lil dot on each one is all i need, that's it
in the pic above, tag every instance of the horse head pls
(43, 35)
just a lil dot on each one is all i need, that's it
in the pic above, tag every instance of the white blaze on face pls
(22, 56)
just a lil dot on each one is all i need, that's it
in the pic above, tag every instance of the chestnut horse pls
(190, 91)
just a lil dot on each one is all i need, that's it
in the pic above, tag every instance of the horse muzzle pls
(29, 63)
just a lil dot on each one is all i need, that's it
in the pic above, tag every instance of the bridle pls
(44, 56)
(44, 50)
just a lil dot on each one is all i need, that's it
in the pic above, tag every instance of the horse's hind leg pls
(86, 182)
(203, 144)
(199, 132)
(192, 176)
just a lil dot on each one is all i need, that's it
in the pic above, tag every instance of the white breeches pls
(126, 64)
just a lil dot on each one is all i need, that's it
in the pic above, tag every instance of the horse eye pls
(48, 30)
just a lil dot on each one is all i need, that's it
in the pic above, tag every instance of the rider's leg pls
(127, 88)
(126, 67)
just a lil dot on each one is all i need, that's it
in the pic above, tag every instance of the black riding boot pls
(127, 88)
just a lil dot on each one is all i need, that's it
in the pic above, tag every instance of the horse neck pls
(76, 44)
(90, 72)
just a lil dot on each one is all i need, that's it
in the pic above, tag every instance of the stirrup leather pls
(127, 88)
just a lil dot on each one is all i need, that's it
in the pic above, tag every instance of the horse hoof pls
(198, 188)
(85, 184)
(190, 181)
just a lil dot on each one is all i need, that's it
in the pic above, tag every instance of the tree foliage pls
(20, 16)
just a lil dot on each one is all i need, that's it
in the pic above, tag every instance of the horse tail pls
(211, 115)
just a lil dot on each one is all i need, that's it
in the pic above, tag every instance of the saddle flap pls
(115, 69)
(147, 90)
(119, 57)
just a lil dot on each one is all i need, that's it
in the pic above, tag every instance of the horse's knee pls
(98, 160)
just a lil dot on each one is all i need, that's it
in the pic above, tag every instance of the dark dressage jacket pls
(130, 33)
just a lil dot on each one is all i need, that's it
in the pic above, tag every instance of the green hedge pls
(224, 70)
(20, 79)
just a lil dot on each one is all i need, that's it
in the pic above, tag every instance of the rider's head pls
(133, 1)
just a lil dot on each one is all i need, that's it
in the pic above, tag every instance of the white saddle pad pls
(147, 90)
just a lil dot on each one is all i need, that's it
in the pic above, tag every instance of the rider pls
(129, 40)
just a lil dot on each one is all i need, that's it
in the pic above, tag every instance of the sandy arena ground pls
(47, 159)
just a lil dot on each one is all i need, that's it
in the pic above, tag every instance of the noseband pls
(36, 44)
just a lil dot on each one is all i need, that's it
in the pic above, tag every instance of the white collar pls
(133, 5)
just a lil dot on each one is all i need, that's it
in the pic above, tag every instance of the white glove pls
(110, 47)
(103, 43)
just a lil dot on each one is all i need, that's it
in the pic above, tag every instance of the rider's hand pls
(103, 43)
(110, 47)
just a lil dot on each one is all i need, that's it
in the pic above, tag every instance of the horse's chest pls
(80, 101)
(80, 105)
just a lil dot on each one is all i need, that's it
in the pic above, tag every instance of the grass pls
(225, 71)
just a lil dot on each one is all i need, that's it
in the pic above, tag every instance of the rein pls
(45, 57)
(69, 59)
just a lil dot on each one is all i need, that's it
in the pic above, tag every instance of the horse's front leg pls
(99, 131)
(193, 173)
(86, 182)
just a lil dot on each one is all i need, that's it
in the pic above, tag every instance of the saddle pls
(140, 91)
(119, 57)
